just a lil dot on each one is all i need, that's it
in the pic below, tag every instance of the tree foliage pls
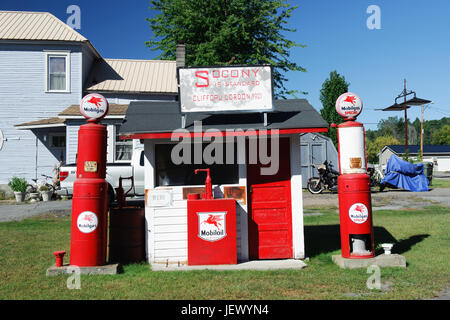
(442, 136)
(395, 127)
(373, 147)
(224, 32)
(332, 88)
(431, 127)
(390, 131)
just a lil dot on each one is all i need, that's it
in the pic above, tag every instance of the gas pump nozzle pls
(208, 184)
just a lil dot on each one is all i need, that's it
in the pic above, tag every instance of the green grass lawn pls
(422, 236)
(440, 183)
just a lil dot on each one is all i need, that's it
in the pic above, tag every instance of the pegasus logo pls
(358, 213)
(214, 220)
(88, 217)
(96, 101)
(350, 99)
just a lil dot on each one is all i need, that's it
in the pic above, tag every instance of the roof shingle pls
(133, 76)
(23, 25)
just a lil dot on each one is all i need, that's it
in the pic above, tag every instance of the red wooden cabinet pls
(212, 232)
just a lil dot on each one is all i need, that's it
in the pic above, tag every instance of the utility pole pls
(422, 132)
(421, 137)
(406, 122)
(405, 105)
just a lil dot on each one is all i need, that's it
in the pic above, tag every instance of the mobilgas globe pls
(94, 106)
(349, 105)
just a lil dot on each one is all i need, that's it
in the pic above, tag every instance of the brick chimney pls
(180, 54)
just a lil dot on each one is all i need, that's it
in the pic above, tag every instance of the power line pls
(445, 114)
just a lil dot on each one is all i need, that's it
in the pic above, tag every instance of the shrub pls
(18, 184)
(44, 188)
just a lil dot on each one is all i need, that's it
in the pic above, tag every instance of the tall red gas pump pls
(355, 206)
(89, 203)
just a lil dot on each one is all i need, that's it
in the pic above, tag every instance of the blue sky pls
(413, 44)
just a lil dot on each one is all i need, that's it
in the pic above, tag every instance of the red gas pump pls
(211, 228)
(89, 203)
(355, 206)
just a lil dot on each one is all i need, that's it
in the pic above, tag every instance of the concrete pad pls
(97, 270)
(382, 260)
(250, 265)
(390, 260)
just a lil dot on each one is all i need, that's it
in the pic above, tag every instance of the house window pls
(57, 71)
(57, 140)
(124, 148)
(170, 174)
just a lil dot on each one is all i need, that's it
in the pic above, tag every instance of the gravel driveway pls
(15, 212)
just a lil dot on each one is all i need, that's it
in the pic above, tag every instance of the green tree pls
(224, 32)
(417, 126)
(430, 128)
(332, 88)
(392, 126)
(395, 126)
(374, 146)
(442, 136)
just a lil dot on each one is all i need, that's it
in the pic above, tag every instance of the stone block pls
(97, 270)
(382, 260)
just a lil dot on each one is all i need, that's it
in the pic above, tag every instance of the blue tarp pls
(405, 175)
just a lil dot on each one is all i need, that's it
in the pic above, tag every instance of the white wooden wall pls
(23, 98)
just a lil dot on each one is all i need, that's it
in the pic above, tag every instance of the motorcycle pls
(375, 177)
(327, 179)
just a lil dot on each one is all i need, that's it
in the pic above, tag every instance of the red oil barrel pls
(126, 235)
(355, 214)
(91, 158)
(89, 223)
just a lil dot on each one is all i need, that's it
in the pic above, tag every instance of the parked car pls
(114, 171)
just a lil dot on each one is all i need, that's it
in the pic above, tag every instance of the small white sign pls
(159, 198)
(358, 213)
(211, 225)
(349, 105)
(87, 222)
(230, 88)
(94, 106)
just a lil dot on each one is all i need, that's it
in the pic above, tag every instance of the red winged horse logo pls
(88, 217)
(350, 99)
(96, 101)
(214, 220)
(359, 208)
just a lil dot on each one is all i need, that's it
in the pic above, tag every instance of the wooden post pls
(406, 125)
(421, 137)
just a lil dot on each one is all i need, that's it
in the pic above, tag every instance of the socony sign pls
(230, 88)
